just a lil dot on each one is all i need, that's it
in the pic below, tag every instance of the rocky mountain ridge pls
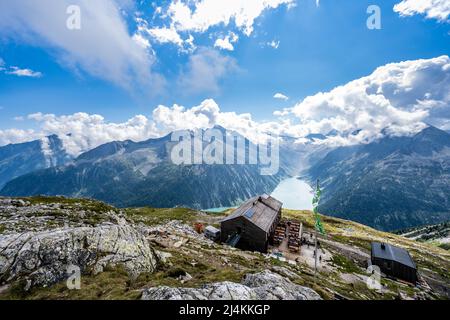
(390, 184)
(132, 174)
(19, 159)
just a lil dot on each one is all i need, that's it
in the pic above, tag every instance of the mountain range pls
(23, 158)
(392, 183)
(131, 174)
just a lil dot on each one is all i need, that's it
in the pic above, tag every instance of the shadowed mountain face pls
(23, 158)
(129, 174)
(396, 182)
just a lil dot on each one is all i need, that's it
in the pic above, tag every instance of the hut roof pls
(212, 229)
(261, 211)
(393, 253)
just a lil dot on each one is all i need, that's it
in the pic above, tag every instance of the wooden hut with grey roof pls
(252, 225)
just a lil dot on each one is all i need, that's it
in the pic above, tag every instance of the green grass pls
(154, 216)
(205, 269)
(112, 284)
(353, 241)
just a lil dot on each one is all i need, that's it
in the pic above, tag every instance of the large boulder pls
(259, 286)
(43, 258)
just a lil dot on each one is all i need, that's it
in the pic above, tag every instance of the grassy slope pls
(214, 263)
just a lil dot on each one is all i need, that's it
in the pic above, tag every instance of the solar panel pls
(250, 212)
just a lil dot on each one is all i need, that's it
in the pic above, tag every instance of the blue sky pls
(319, 48)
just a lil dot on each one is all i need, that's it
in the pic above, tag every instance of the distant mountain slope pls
(139, 174)
(22, 158)
(393, 183)
(438, 234)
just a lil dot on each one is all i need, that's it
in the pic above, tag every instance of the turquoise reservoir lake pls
(293, 192)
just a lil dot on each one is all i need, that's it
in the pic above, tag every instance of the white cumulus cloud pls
(23, 72)
(207, 115)
(20, 72)
(166, 35)
(399, 96)
(227, 42)
(81, 131)
(280, 96)
(176, 21)
(200, 15)
(432, 9)
(162, 35)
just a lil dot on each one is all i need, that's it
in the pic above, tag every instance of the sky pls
(135, 69)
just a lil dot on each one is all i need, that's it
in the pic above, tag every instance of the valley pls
(391, 183)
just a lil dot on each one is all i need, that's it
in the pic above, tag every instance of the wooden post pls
(300, 235)
(315, 256)
(300, 232)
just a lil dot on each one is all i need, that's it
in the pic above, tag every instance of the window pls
(250, 212)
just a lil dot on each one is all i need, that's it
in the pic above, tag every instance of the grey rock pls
(272, 286)
(285, 272)
(42, 258)
(260, 286)
(216, 291)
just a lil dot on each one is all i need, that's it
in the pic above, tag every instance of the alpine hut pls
(253, 224)
(394, 261)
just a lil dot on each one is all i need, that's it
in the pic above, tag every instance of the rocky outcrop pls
(259, 286)
(43, 257)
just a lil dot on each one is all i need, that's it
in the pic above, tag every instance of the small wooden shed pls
(212, 233)
(394, 261)
(252, 225)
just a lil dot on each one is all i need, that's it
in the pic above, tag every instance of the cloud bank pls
(399, 96)
(396, 99)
